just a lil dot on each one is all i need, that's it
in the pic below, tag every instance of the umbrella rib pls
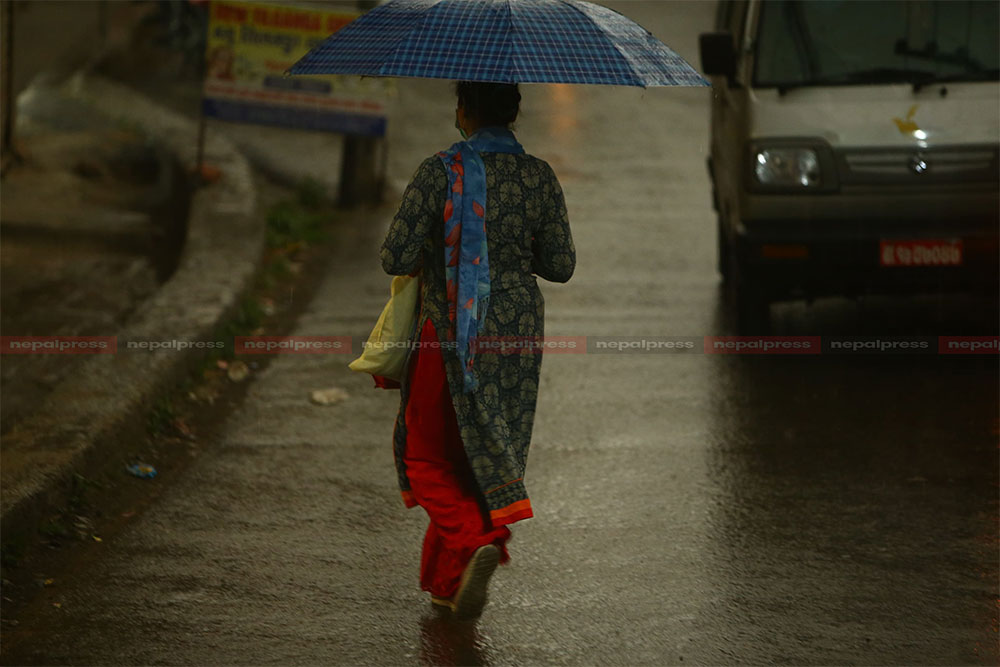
(637, 80)
(391, 65)
(509, 45)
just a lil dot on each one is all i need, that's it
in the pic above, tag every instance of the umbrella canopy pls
(506, 41)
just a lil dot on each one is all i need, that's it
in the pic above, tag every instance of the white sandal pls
(471, 596)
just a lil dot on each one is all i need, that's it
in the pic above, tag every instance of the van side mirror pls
(718, 58)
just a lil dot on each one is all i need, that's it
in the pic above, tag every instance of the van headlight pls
(787, 166)
(790, 168)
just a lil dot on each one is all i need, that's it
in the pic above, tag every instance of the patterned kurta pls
(528, 234)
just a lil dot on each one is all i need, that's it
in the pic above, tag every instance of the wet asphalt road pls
(690, 508)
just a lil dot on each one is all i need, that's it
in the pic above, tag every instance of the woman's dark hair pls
(489, 103)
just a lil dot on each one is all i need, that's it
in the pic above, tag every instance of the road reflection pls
(446, 642)
(855, 487)
(562, 116)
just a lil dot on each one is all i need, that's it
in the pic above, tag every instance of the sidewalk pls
(77, 409)
(273, 547)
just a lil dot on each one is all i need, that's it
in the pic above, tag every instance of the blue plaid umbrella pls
(508, 41)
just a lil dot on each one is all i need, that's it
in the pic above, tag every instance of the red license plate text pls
(925, 252)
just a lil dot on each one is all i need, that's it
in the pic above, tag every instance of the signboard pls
(249, 47)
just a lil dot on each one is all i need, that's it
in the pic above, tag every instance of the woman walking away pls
(479, 221)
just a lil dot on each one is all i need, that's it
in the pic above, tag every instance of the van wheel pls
(753, 312)
(749, 305)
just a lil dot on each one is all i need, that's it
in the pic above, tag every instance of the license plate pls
(925, 252)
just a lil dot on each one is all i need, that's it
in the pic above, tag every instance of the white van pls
(854, 148)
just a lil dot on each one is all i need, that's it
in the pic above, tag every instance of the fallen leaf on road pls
(97, 539)
(182, 429)
(49, 582)
(82, 525)
(328, 396)
(238, 371)
(57, 605)
(205, 394)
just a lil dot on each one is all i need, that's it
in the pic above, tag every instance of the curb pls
(112, 394)
(296, 162)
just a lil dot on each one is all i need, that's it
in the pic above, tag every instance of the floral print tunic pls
(528, 234)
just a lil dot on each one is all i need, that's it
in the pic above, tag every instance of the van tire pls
(749, 305)
(753, 312)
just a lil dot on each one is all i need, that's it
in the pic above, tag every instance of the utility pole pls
(360, 182)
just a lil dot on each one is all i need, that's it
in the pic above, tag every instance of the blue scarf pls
(467, 265)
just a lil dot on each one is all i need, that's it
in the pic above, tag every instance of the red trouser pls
(440, 477)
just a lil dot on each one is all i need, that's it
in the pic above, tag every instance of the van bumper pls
(793, 259)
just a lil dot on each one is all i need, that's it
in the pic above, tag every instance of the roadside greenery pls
(293, 225)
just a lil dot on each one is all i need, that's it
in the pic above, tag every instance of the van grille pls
(912, 166)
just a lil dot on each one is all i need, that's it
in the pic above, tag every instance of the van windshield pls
(828, 42)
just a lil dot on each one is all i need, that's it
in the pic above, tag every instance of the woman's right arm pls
(422, 204)
(553, 253)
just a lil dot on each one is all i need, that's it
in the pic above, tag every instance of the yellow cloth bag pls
(385, 351)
